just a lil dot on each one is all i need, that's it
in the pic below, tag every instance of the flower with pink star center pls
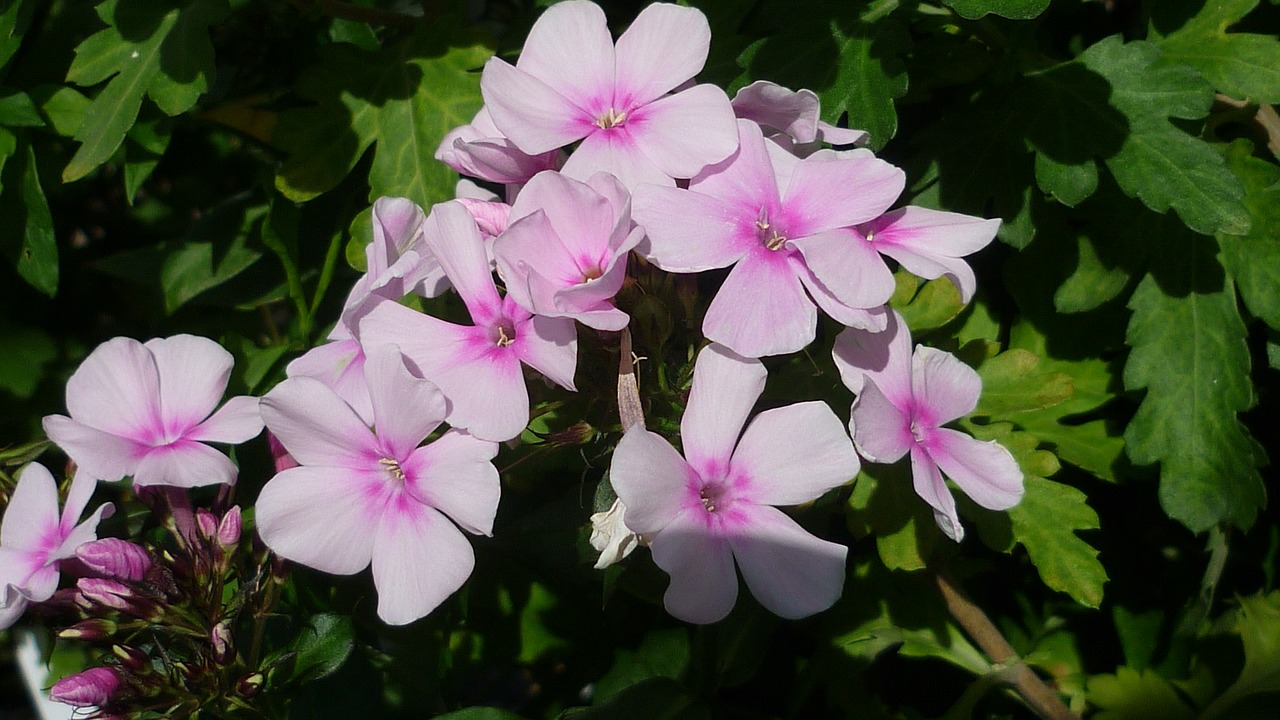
(715, 506)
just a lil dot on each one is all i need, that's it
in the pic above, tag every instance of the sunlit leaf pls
(1243, 65)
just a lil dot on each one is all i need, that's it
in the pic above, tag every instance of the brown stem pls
(348, 11)
(1265, 118)
(1043, 700)
(630, 411)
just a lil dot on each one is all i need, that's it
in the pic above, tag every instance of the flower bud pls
(579, 433)
(115, 559)
(250, 684)
(106, 593)
(131, 657)
(220, 640)
(283, 460)
(93, 687)
(90, 630)
(207, 523)
(229, 528)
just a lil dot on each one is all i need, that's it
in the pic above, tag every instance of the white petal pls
(651, 479)
(703, 585)
(725, 388)
(193, 375)
(419, 560)
(791, 572)
(793, 454)
(324, 518)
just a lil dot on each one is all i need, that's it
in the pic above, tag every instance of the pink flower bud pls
(282, 458)
(249, 685)
(90, 630)
(131, 657)
(115, 559)
(220, 640)
(207, 523)
(229, 528)
(93, 687)
(107, 593)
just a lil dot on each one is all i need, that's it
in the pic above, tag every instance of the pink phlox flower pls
(783, 223)
(904, 400)
(480, 150)
(791, 118)
(931, 243)
(702, 512)
(572, 83)
(339, 364)
(365, 495)
(477, 367)
(34, 537)
(565, 252)
(146, 410)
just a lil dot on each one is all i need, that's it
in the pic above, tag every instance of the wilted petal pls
(944, 387)
(703, 585)
(791, 572)
(322, 517)
(881, 430)
(725, 388)
(985, 471)
(455, 476)
(793, 454)
(761, 309)
(419, 560)
(651, 479)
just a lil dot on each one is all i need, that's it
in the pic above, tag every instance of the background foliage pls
(206, 166)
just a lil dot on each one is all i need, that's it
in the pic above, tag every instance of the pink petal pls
(550, 346)
(315, 426)
(791, 572)
(933, 490)
(685, 132)
(419, 560)
(935, 266)
(882, 357)
(665, 46)
(848, 266)
(455, 475)
(746, 179)
(985, 471)
(397, 229)
(933, 232)
(570, 49)
(235, 422)
(725, 388)
(614, 151)
(339, 365)
(25, 575)
(582, 221)
(703, 585)
(31, 520)
(193, 375)
(185, 464)
(869, 319)
(117, 389)
(86, 531)
(406, 409)
(761, 309)
(497, 160)
(453, 238)
(491, 217)
(828, 194)
(793, 454)
(944, 387)
(881, 430)
(838, 135)
(98, 453)
(529, 259)
(82, 486)
(12, 603)
(322, 517)
(535, 117)
(651, 478)
(689, 231)
(794, 113)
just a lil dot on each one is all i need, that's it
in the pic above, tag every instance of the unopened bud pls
(115, 559)
(229, 528)
(207, 523)
(90, 630)
(220, 640)
(91, 688)
(578, 433)
(106, 593)
(283, 460)
(250, 684)
(131, 657)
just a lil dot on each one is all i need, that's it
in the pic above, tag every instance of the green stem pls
(326, 275)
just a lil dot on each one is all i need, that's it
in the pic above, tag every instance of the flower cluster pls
(606, 156)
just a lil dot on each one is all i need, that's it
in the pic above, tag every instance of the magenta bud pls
(282, 458)
(104, 592)
(220, 640)
(115, 559)
(207, 523)
(93, 687)
(249, 685)
(91, 630)
(131, 657)
(229, 528)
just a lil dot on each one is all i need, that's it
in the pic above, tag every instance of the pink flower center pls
(611, 118)
(393, 468)
(504, 333)
(591, 273)
(771, 237)
(715, 497)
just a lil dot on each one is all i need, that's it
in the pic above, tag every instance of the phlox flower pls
(144, 410)
(790, 117)
(572, 83)
(34, 537)
(565, 252)
(904, 400)
(931, 243)
(363, 495)
(477, 367)
(783, 224)
(702, 512)
(480, 150)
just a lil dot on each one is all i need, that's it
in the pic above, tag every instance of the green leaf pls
(1258, 624)
(62, 107)
(657, 698)
(480, 713)
(1013, 382)
(1092, 284)
(26, 227)
(1013, 9)
(1253, 259)
(322, 647)
(146, 143)
(17, 110)
(925, 305)
(1189, 353)
(1133, 695)
(662, 653)
(403, 99)
(884, 504)
(1243, 65)
(15, 18)
(23, 356)
(158, 49)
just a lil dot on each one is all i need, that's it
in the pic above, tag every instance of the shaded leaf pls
(322, 646)
(884, 504)
(1253, 259)
(1258, 623)
(654, 699)
(1014, 9)
(1134, 695)
(26, 226)
(662, 653)
(23, 356)
(1243, 65)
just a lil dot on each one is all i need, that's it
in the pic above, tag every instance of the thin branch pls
(1265, 118)
(1043, 700)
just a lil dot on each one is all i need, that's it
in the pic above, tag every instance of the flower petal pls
(338, 364)
(665, 46)
(185, 464)
(315, 426)
(793, 454)
(31, 520)
(881, 430)
(794, 113)
(406, 409)
(882, 357)
(944, 387)
(582, 222)
(322, 517)
(651, 479)
(550, 346)
(193, 375)
(930, 486)
(685, 132)
(235, 422)
(82, 533)
(725, 388)
(985, 471)
(117, 389)
(535, 117)
(869, 319)
(829, 194)
(614, 151)
(99, 453)
(570, 49)
(761, 309)
(452, 236)
(703, 586)
(419, 560)
(791, 572)
(455, 475)
(689, 231)
(935, 266)
(848, 267)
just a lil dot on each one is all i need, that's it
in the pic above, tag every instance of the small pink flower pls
(572, 83)
(790, 118)
(480, 150)
(903, 402)
(34, 537)
(714, 506)
(145, 410)
(371, 495)
(931, 243)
